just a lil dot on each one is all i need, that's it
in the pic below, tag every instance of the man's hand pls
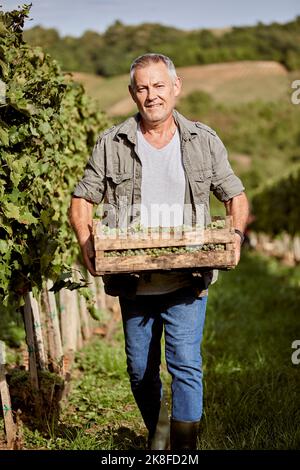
(237, 248)
(88, 254)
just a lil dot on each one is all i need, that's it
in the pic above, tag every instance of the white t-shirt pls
(162, 203)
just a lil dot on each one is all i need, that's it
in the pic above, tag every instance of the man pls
(159, 158)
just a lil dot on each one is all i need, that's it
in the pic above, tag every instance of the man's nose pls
(151, 94)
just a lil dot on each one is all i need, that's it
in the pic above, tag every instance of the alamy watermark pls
(164, 220)
(295, 358)
(295, 98)
(2, 92)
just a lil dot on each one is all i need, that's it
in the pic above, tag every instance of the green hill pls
(111, 53)
(234, 82)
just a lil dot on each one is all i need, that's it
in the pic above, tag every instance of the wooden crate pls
(197, 259)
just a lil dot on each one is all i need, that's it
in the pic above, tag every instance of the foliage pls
(11, 327)
(276, 206)
(196, 104)
(112, 52)
(48, 128)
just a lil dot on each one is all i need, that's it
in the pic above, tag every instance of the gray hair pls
(151, 58)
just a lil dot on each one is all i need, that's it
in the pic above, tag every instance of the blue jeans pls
(181, 314)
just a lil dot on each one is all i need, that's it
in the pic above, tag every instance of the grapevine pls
(48, 128)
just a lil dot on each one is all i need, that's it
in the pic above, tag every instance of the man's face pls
(154, 92)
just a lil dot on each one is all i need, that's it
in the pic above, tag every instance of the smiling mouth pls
(153, 105)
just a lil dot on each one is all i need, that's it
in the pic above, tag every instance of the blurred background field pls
(238, 82)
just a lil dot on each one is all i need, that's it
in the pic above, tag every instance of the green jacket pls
(113, 175)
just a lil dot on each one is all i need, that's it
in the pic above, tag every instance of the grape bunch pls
(217, 224)
(165, 250)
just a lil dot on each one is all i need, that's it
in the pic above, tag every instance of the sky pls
(73, 17)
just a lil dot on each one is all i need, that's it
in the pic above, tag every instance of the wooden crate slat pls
(203, 259)
(228, 221)
(97, 228)
(190, 238)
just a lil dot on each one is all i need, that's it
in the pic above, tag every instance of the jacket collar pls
(186, 127)
(129, 127)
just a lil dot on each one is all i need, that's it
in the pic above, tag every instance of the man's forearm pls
(238, 207)
(81, 218)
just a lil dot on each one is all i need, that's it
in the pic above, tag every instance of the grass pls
(251, 387)
(100, 411)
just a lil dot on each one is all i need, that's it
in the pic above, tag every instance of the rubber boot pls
(184, 435)
(161, 437)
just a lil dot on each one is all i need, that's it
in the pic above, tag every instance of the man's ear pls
(177, 86)
(131, 91)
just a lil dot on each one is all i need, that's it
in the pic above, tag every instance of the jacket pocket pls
(118, 178)
(202, 182)
(203, 176)
(119, 188)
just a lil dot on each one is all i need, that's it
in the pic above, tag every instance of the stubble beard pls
(159, 115)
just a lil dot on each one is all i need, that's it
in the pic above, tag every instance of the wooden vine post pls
(83, 311)
(68, 321)
(38, 332)
(10, 427)
(55, 341)
(29, 328)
